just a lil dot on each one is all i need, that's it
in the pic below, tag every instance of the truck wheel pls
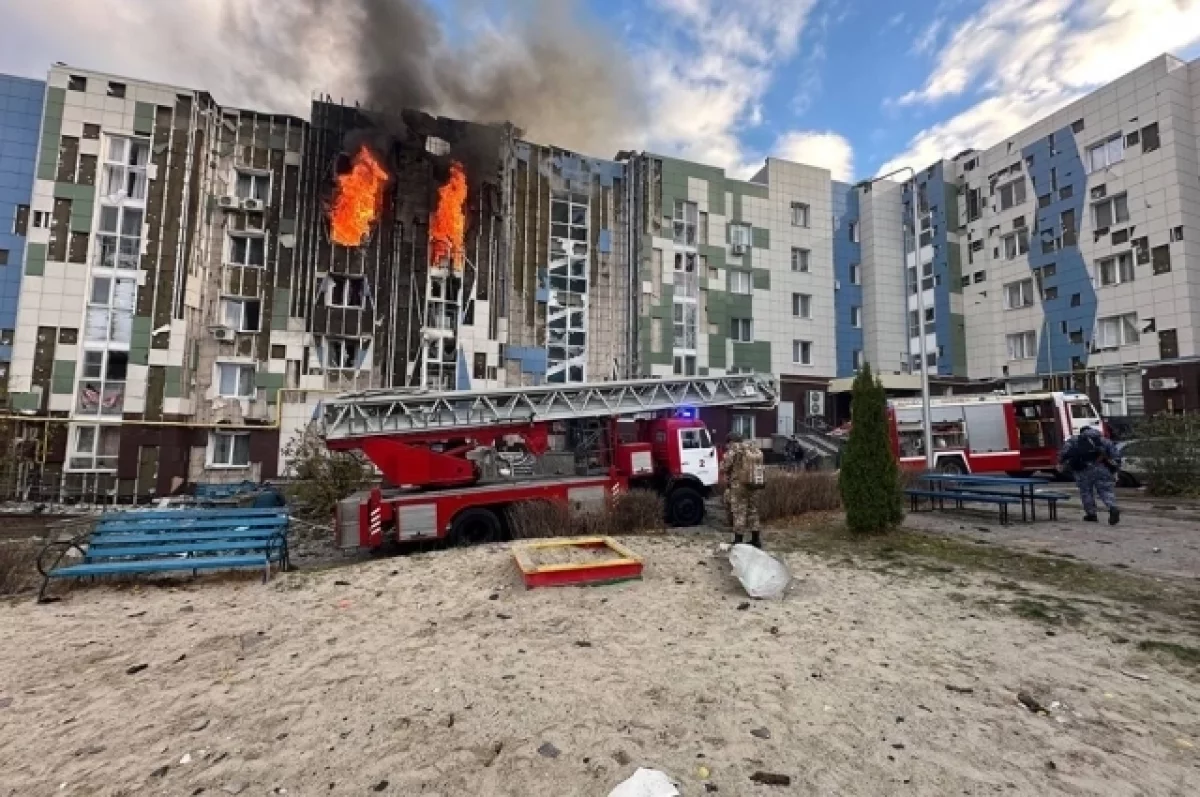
(685, 507)
(952, 467)
(475, 527)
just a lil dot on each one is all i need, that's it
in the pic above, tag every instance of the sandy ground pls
(438, 674)
(1159, 537)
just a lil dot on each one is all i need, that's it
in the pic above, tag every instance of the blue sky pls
(856, 86)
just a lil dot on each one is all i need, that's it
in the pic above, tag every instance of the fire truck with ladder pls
(1014, 434)
(453, 463)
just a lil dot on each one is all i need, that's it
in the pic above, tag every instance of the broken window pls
(973, 204)
(76, 83)
(1168, 344)
(800, 214)
(247, 250)
(1066, 192)
(1115, 270)
(1018, 294)
(1150, 140)
(253, 185)
(1141, 250)
(1116, 331)
(437, 146)
(91, 131)
(1119, 237)
(1114, 210)
(1068, 228)
(241, 315)
(1077, 126)
(119, 237)
(980, 276)
(116, 89)
(109, 317)
(343, 291)
(1105, 154)
(1177, 233)
(21, 220)
(687, 219)
(1160, 259)
(1016, 243)
(1012, 194)
(94, 448)
(125, 162)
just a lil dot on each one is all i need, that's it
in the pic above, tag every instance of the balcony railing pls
(100, 398)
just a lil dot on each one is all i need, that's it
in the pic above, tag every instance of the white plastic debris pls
(762, 575)
(646, 783)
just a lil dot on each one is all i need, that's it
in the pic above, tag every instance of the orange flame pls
(449, 224)
(358, 200)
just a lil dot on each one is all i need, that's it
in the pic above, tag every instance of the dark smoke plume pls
(546, 67)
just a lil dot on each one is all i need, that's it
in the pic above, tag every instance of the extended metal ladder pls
(389, 412)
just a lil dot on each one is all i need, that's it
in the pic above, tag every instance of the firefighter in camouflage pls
(741, 470)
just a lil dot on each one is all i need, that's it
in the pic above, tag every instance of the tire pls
(1125, 479)
(685, 507)
(952, 466)
(475, 527)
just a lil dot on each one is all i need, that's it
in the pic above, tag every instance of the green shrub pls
(870, 479)
(1168, 452)
(319, 478)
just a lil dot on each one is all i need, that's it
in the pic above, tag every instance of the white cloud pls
(1028, 58)
(929, 37)
(709, 71)
(828, 150)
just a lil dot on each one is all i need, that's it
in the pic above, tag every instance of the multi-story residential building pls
(20, 120)
(739, 276)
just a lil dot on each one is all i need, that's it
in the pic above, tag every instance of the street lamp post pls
(926, 419)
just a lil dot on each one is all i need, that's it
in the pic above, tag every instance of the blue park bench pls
(1000, 491)
(159, 541)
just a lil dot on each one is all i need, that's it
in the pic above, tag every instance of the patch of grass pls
(830, 538)
(1056, 613)
(1185, 654)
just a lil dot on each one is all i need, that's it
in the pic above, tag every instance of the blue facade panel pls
(932, 189)
(1069, 320)
(21, 103)
(846, 252)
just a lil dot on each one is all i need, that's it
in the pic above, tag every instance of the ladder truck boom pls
(400, 413)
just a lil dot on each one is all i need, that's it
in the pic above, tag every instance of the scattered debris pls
(492, 753)
(1051, 765)
(135, 669)
(762, 575)
(380, 786)
(962, 690)
(495, 596)
(503, 616)
(711, 788)
(582, 643)
(161, 772)
(646, 783)
(1030, 702)
(199, 725)
(761, 733)
(185, 759)
(741, 607)
(548, 750)
(771, 779)
(449, 721)
(136, 615)
(1135, 675)
(898, 745)
(234, 788)
(341, 583)
(773, 630)
(187, 608)
(622, 758)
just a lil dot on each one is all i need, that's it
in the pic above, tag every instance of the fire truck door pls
(697, 456)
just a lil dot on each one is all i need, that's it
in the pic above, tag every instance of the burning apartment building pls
(205, 275)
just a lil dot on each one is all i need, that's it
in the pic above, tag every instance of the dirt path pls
(439, 675)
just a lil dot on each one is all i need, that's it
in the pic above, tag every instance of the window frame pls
(801, 260)
(741, 279)
(801, 348)
(1105, 145)
(741, 330)
(856, 316)
(255, 176)
(1012, 187)
(227, 302)
(1123, 323)
(248, 236)
(1027, 341)
(1025, 294)
(331, 290)
(1121, 267)
(802, 305)
(684, 222)
(801, 214)
(232, 450)
(855, 274)
(1112, 209)
(242, 382)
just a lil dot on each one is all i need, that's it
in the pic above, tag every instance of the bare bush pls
(789, 494)
(18, 571)
(1167, 452)
(633, 512)
(320, 477)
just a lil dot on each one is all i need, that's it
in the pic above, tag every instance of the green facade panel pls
(24, 402)
(735, 214)
(760, 238)
(62, 377)
(755, 356)
(139, 343)
(716, 351)
(743, 188)
(762, 279)
(35, 260)
(173, 386)
(47, 166)
(714, 255)
(271, 382)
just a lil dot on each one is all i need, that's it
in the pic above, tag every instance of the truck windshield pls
(705, 440)
(1081, 409)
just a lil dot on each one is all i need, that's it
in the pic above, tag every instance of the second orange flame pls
(449, 224)
(358, 200)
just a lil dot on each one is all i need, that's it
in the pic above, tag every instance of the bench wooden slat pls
(273, 546)
(191, 525)
(184, 536)
(184, 514)
(991, 498)
(161, 565)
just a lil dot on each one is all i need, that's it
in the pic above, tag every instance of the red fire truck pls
(456, 462)
(990, 433)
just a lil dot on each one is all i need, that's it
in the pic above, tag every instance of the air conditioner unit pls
(227, 202)
(1167, 383)
(738, 249)
(223, 333)
(254, 205)
(816, 403)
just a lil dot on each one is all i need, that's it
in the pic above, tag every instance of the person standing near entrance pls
(742, 470)
(1094, 461)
